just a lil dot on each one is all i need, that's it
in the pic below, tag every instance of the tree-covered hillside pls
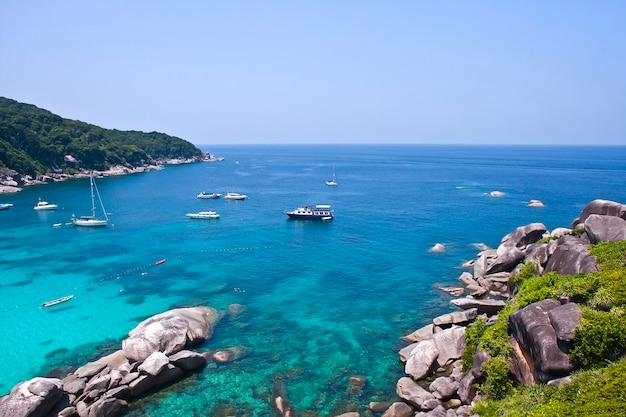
(35, 141)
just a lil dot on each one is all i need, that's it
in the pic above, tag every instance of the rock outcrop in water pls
(541, 333)
(154, 355)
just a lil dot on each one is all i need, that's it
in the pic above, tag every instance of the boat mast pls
(93, 204)
(93, 201)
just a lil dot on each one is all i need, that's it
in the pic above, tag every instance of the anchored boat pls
(57, 301)
(318, 212)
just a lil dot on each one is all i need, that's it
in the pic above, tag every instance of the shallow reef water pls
(320, 302)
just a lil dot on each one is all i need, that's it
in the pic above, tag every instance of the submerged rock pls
(438, 247)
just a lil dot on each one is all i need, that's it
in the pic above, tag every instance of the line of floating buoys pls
(161, 261)
(118, 276)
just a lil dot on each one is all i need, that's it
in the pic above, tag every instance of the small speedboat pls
(204, 215)
(235, 196)
(204, 194)
(318, 212)
(57, 301)
(44, 205)
(4, 206)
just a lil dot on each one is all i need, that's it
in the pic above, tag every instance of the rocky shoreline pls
(158, 352)
(13, 182)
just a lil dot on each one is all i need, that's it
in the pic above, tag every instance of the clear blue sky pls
(230, 72)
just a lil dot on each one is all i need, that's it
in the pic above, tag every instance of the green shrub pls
(496, 338)
(601, 337)
(498, 383)
(546, 240)
(473, 335)
(600, 392)
(602, 300)
(527, 271)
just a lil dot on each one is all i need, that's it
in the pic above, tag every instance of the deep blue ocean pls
(324, 300)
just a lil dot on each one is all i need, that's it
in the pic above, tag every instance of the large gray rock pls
(482, 262)
(443, 387)
(398, 409)
(168, 335)
(521, 368)
(188, 360)
(571, 257)
(540, 254)
(605, 228)
(508, 258)
(522, 236)
(457, 317)
(601, 207)
(33, 398)
(112, 361)
(450, 344)
(108, 407)
(405, 352)
(73, 384)
(98, 383)
(420, 334)
(438, 411)
(533, 330)
(411, 392)
(484, 306)
(467, 388)
(421, 360)
(170, 332)
(154, 364)
(564, 319)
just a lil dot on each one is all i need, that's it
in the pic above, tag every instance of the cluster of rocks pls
(155, 354)
(541, 333)
(12, 182)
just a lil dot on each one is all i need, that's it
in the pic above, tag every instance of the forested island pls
(35, 142)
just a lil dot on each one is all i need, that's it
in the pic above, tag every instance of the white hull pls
(44, 205)
(209, 196)
(89, 222)
(57, 301)
(204, 215)
(48, 207)
(235, 196)
(318, 212)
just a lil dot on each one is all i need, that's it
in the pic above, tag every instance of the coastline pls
(9, 186)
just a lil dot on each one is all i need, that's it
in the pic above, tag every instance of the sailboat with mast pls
(334, 180)
(92, 220)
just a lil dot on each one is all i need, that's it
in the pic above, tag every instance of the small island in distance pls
(37, 146)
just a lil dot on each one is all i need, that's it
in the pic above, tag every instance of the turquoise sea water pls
(324, 301)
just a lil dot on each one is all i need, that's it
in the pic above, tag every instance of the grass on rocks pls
(598, 388)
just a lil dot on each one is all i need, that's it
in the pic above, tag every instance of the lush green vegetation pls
(35, 141)
(599, 386)
(593, 392)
